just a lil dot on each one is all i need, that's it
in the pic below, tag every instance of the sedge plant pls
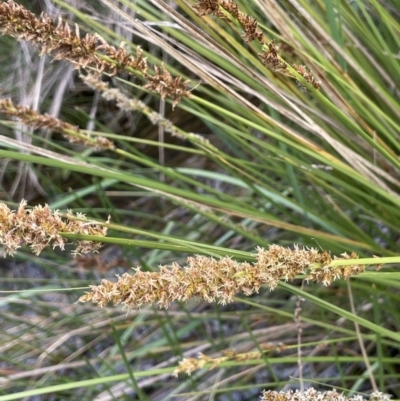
(200, 199)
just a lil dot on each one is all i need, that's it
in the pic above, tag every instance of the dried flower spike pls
(189, 365)
(313, 395)
(215, 280)
(40, 227)
(90, 51)
(269, 56)
(45, 121)
(131, 104)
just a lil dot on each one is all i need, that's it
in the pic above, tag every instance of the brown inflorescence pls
(44, 121)
(269, 56)
(215, 280)
(41, 227)
(90, 51)
(131, 104)
(313, 395)
(189, 365)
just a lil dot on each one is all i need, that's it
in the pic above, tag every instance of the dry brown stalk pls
(92, 51)
(41, 227)
(218, 280)
(269, 56)
(44, 121)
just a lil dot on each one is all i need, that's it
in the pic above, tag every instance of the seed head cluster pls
(44, 121)
(215, 280)
(41, 227)
(313, 395)
(189, 365)
(128, 104)
(269, 56)
(90, 51)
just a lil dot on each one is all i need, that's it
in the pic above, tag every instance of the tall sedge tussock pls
(211, 279)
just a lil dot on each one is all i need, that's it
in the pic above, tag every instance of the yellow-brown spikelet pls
(41, 227)
(215, 280)
(90, 51)
(189, 365)
(131, 104)
(45, 121)
(313, 395)
(269, 56)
